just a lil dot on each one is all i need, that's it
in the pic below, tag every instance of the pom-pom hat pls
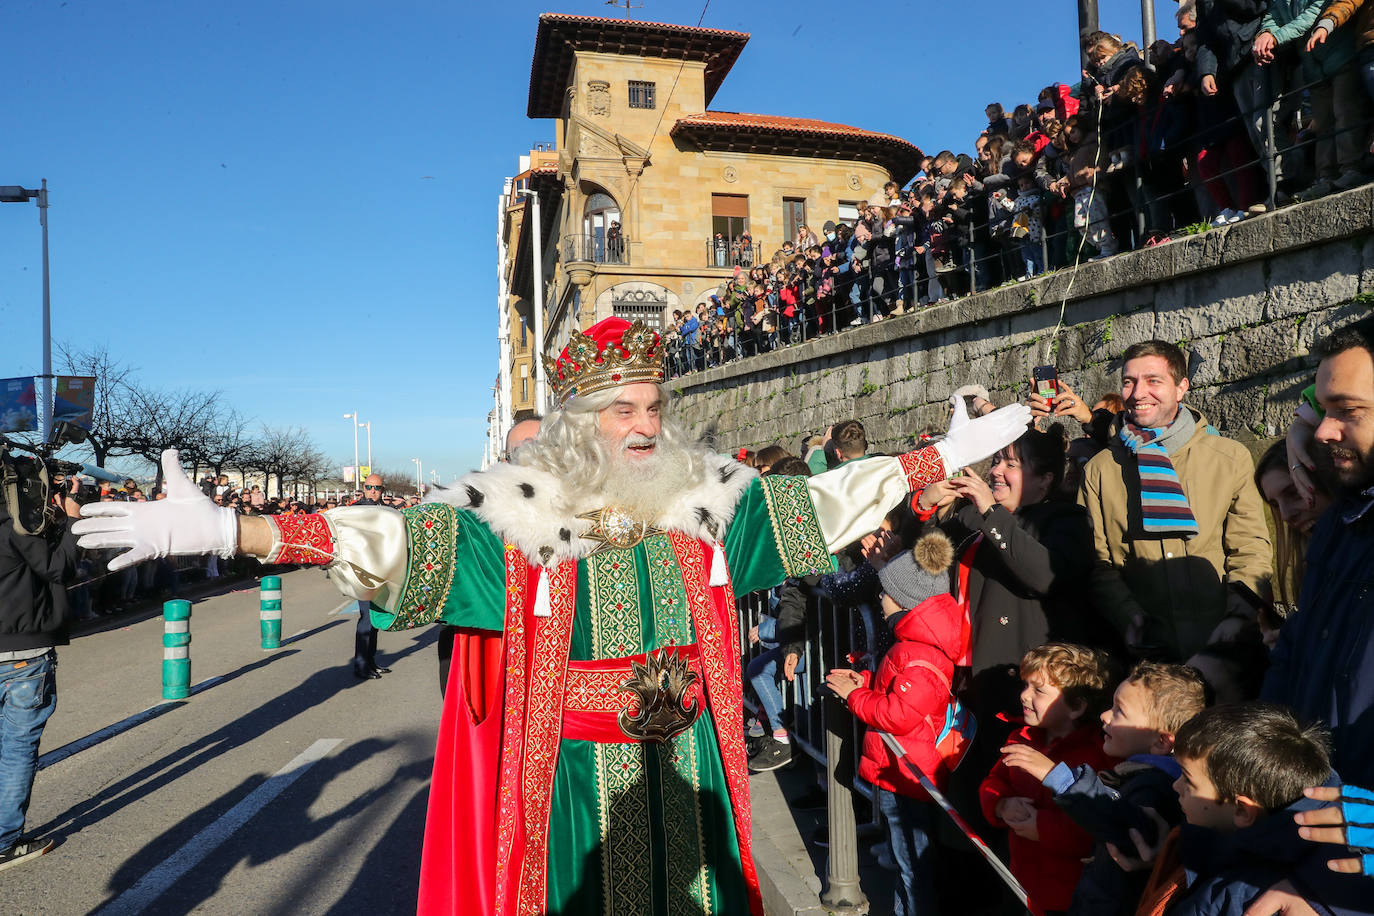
(920, 573)
(610, 353)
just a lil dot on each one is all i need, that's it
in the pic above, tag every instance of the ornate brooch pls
(660, 684)
(612, 526)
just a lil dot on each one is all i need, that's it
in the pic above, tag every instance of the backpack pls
(953, 736)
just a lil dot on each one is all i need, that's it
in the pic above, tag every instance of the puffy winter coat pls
(908, 696)
(1048, 868)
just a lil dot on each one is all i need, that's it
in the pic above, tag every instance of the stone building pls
(650, 199)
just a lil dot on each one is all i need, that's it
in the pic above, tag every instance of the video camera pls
(28, 482)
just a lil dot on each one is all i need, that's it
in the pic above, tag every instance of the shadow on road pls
(183, 760)
(293, 826)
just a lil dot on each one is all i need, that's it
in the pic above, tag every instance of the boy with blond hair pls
(1148, 709)
(1066, 689)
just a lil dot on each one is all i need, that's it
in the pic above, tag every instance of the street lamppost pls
(368, 426)
(15, 194)
(419, 482)
(357, 484)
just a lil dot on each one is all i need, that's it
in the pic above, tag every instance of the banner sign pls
(348, 475)
(74, 400)
(364, 472)
(18, 405)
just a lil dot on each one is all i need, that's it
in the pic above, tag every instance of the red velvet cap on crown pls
(610, 353)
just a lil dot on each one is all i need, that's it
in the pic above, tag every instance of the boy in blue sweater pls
(1244, 768)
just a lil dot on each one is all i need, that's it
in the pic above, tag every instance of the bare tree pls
(171, 419)
(287, 453)
(227, 440)
(114, 424)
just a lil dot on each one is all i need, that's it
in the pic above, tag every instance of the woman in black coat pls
(1027, 554)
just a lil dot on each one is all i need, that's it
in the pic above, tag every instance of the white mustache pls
(633, 441)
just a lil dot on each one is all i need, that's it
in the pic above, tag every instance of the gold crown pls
(612, 353)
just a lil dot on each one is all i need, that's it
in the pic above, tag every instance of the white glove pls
(971, 391)
(973, 440)
(959, 418)
(186, 522)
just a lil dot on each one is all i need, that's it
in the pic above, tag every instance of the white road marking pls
(155, 883)
(118, 728)
(348, 607)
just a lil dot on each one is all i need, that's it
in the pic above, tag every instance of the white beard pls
(646, 487)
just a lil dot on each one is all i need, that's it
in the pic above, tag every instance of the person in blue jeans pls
(763, 672)
(34, 570)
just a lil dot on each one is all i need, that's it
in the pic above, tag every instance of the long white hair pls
(571, 447)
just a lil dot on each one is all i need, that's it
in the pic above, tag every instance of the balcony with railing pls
(723, 252)
(596, 249)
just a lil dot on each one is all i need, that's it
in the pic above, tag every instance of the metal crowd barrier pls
(821, 726)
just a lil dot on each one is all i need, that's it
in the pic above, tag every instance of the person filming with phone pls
(1180, 541)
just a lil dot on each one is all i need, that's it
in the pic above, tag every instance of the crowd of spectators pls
(1139, 150)
(1161, 697)
(97, 592)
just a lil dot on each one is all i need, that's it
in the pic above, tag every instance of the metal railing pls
(821, 726)
(724, 252)
(598, 249)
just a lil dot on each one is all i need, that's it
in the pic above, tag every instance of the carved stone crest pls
(855, 182)
(730, 174)
(599, 97)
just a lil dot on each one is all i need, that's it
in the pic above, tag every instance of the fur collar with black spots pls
(537, 512)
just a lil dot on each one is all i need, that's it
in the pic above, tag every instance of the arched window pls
(601, 225)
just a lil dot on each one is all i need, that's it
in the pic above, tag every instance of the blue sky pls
(293, 202)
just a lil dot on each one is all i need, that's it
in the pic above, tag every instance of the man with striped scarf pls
(1178, 525)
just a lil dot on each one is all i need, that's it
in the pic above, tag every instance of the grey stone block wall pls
(1247, 302)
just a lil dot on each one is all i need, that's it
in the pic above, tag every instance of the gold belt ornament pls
(660, 684)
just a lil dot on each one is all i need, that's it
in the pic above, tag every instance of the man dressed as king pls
(590, 757)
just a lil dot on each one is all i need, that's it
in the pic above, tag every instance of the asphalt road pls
(283, 785)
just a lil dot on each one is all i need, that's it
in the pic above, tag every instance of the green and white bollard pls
(269, 612)
(176, 650)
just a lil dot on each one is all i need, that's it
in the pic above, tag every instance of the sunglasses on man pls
(371, 488)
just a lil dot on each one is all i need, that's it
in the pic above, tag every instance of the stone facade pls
(662, 185)
(1247, 302)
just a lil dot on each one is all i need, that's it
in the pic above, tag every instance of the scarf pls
(1164, 509)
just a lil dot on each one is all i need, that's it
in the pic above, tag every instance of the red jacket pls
(908, 696)
(1050, 868)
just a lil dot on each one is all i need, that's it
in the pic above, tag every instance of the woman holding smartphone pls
(1025, 553)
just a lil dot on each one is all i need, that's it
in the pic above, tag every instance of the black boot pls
(362, 656)
(372, 655)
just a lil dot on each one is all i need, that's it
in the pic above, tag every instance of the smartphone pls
(1046, 380)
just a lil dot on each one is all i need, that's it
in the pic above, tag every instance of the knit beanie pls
(920, 573)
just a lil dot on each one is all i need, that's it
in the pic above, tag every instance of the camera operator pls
(33, 608)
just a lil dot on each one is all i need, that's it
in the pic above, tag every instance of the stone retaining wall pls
(1246, 301)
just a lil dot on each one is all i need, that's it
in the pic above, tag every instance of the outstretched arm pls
(851, 500)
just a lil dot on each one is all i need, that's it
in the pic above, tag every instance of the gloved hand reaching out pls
(970, 441)
(186, 522)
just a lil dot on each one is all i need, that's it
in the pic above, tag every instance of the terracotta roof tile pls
(781, 123)
(639, 24)
(900, 157)
(561, 36)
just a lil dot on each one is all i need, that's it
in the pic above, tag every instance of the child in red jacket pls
(907, 699)
(1067, 688)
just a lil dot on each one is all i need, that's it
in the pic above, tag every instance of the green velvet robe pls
(635, 828)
